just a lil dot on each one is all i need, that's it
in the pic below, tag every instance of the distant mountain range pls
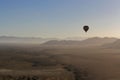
(95, 41)
(115, 44)
(29, 40)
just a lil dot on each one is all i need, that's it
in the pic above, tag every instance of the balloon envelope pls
(85, 28)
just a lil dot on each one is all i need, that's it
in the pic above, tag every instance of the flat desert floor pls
(99, 63)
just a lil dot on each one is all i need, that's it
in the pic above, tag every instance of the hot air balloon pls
(85, 28)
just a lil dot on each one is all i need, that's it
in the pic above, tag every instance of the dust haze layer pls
(89, 59)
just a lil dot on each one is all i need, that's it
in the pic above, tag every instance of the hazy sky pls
(59, 18)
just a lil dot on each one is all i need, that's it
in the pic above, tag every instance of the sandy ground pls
(100, 63)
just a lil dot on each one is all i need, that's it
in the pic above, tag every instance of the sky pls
(59, 18)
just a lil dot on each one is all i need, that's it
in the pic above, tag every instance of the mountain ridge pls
(13, 39)
(95, 41)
